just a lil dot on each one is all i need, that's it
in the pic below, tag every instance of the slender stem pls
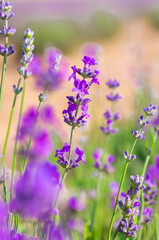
(117, 199)
(31, 136)
(69, 156)
(4, 66)
(9, 124)
(4, 184)
(16, 139)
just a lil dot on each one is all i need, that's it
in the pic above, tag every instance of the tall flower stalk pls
(6, 31)
(76, 104)
(27, 57)
(138, 134)
(16, 90)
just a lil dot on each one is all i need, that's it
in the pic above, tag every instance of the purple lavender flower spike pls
(113, 83)
(36, 190)
(47, 114)
(150, 110)
(75, 205)
(153, 170)
(138, 134)
(5, 10)
(7, 31)
(75, 163)
(128, 157)
(97, 155)
(6, 51)
(60, 153)
(114, 187)
(113, 97)
(108, 129)
(107, 166)
(147, 212)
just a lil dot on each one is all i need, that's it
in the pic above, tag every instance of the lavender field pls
(79, 120)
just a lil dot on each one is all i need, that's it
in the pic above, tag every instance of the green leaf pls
(87, 235)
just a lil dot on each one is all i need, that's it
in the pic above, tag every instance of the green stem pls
(30, 139)
(9, 124)
(69, 156)
(4, 66)
(4, 184)
(16, 139)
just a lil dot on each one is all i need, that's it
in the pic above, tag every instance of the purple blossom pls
(155, 122)
(36, 190)
(47, 114)
(98, 155)
(111, 116)
(107, 166)
(91, 49)
(64, 162)
(6, 51)
(76, 224)
(5, 10)
(51, 76)
(113, 83)
(150, 110)
(128, 157)
(7, 31)
(75, 205)
(53, 231)
(138, 134)
(150, 191)
(113, 97)
(108, 129)
(114, 187)
(147, 212)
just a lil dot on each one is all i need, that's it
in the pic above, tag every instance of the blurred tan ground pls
(137, 44)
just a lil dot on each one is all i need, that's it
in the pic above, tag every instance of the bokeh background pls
(127, 33)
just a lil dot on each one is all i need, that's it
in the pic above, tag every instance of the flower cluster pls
(155, 122)
(129, 207)
(57, 68)
(106, 167)
(6, 14)
(114, 187)
(27, 55)
(108, 115)
(81, 87)
(69, 163)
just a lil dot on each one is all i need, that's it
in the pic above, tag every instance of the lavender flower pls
(64, 162)
(150, 191)
(113, 97)
(128, 157)
(36, 190)
(138, 134)
(112, 116)
(53, 231)
(153, 170)
(6, 51)
(98, 155)
(155, 122)
(114, 187)
(56, 71)
(129, 207)
(76, 225)
(150, 110)
(27, 55)
(113, 83)
(7, 31)
(147, 212)
(5, 10)
(108, 130)
(75, 205)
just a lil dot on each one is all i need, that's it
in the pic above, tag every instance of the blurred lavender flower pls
(47, 114)
(147, 212)
(57, 69)
(91, 49)
(153, 170)
(36, 190)
(108, 168)
(114, 187)
(108, 115)
(53, 231)
(76, 224)
(98, 155)
(6, 10)
(150, 110)
(155, 122)
(75, 205)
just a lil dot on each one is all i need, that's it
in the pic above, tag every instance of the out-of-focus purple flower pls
(75, 204)
(75, 224)
(147, 212)
(42, 145)
(91, 49)
(108, 130)
(97, 155)
(150, 191)
(111, 116)
(47, 114)
(113, 83)
(27, 123)
(113, 97)
(51, 76)
(36, 190)
(107, 166)
(114, 187)
(52, 231)
(153, 170)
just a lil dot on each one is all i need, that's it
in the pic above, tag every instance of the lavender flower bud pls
(150, 110)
